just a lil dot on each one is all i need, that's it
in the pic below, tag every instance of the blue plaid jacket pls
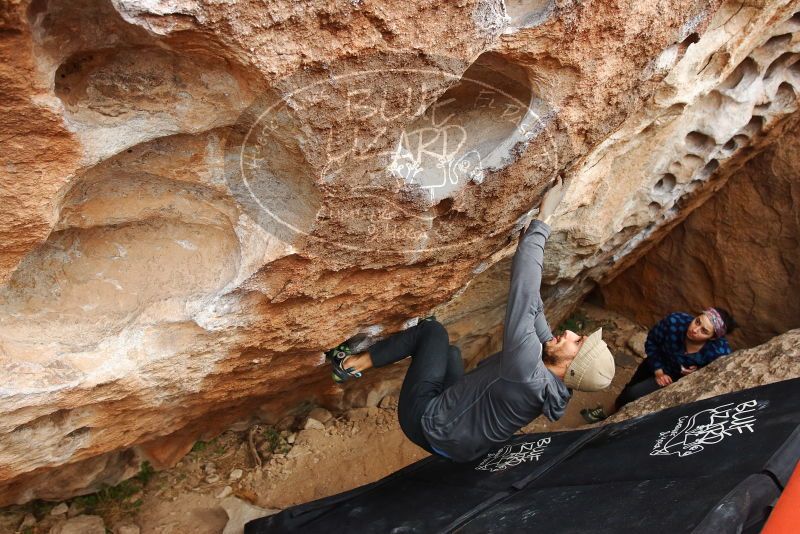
(666, 349)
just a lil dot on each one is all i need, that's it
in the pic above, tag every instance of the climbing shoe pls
(344, 348)
(594, 415)
(337, 356)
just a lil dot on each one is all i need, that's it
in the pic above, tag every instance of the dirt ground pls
(335, 453)
(355, 448)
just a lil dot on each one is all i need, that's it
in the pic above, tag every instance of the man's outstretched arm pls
(523, 293)
(540, 323)
(525, 329)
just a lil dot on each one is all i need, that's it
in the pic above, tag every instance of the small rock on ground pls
(83, 524)
(389, 401)
(360, 414)
(127, 529)
(320, 414)
(241, 426)
(59, 509)
(636, 343)
(373, 398)
(240, 512)
(226, 491)
(287, 423)
(313, 424)
(75, 510)
(28, 521)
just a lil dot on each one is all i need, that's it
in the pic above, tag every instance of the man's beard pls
(547, 358)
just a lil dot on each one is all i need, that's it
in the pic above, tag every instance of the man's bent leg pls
(396, 347)
(455, 367)
(425, 377)
(428, 345)
(403, 344)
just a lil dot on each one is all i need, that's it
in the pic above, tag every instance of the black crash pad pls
(709, 466)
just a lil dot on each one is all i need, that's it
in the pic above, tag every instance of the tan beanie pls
(593, 367)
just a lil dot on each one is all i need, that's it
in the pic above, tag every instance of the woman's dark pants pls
(435, 366)
(643, 382)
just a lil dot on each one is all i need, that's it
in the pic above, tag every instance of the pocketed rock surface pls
(740, 251)
(198, 198)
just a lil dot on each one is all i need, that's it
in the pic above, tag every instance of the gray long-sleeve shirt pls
(512, 387)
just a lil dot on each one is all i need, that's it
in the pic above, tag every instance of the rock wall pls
(739, 250)
(677, 151)
(198, 198)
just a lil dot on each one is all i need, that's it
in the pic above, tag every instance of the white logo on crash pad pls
(708, 427)
(513, 455)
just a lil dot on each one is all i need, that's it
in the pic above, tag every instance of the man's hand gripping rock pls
(551, 201)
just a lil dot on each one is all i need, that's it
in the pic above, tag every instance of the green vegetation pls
(110, 502)
(276, 442)
(146, 472)
(580, 323)
(272, 437)
(575, 322)
(41, 508)
(203, 446)
(118, 497)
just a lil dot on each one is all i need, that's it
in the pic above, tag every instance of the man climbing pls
(462, 416)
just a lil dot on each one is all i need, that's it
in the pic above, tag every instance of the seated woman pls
(676, 346)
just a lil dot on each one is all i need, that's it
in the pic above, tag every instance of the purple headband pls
(716, 320)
